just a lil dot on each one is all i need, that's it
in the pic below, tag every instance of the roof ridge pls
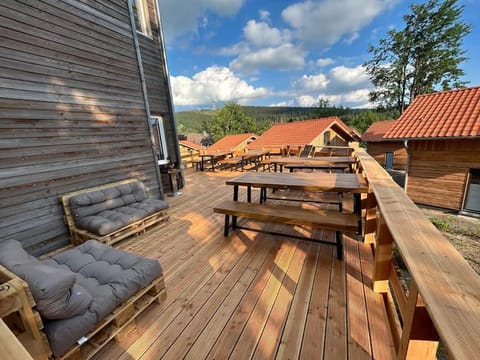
(448, 91)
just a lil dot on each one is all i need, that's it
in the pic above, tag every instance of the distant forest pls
(265, 116)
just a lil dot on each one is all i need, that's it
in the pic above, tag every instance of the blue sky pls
(285, 53)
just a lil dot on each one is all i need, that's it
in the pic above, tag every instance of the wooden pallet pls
(79, 236)
(17, 310)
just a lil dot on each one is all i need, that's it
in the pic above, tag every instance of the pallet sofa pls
(85, 297)
(111, 212)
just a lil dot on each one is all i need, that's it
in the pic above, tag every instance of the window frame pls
(159, 139)
(143, 17)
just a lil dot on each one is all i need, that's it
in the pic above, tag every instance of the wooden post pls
(383, 256)
(419, 337)
(370, 217)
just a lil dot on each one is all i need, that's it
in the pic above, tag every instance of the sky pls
(284, 53)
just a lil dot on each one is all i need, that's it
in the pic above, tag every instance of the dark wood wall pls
(72, 113)
(378, 150)
(438, 171)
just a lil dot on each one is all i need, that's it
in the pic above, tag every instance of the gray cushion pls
(105, 211)
(55, 290)
(110, 275)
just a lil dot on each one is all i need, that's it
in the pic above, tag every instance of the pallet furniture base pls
(79, 236)
(17, 311)
(325, 219)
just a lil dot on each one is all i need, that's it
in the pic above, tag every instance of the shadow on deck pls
(252, 295)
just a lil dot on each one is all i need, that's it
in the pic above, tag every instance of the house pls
(85, 100)
(390, 153)
(190, 152)
(317, 132)
(233, 142)
(441, 132)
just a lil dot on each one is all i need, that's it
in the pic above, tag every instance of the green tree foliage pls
(424, 55)
(361, 120)
(230, 119)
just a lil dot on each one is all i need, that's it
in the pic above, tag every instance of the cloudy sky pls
(286, 53)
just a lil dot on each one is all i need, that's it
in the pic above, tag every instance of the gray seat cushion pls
(57, 293)
(105, 211)
(110, 275)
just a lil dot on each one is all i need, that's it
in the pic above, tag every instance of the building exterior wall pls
(378, 150)
(72, 112)
(439, 170)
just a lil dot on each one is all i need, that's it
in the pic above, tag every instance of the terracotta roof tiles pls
(230, 142)
(446, 114)
(377, 130)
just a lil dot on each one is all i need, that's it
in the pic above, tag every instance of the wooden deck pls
(252, 295)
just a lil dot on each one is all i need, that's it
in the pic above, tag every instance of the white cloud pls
(322, 62)
(349, 78)
(260, 34)
(290, 102)
(183, 16)
(311, 83)
(283, 57)
(307, 101)
(325, 22)
(351, 38)
(214, 84)
(264, 15)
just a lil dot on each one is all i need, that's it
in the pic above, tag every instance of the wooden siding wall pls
(438, 171)
(378, 149)
(72, 113)
(156, 78)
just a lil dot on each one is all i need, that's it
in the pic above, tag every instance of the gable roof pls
(446, 114)
(300, 133)
(377, 130)
(191, 145)
(230, 142)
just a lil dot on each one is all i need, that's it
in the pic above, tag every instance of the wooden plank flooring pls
(252, 295)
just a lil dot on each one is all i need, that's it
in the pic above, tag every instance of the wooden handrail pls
(448, 288)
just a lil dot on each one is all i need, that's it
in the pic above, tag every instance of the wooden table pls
(339, 183)
(213, 158)
(325, 160)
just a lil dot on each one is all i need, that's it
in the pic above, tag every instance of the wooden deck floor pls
(252, 295)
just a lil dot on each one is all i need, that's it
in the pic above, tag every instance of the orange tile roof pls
(299, 133)
(191, 145)
(377, 130)
(446, 114)
(230, 142)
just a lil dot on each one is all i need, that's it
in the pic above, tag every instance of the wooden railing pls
(443, 297)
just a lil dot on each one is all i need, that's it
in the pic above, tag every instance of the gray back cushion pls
(55, 290)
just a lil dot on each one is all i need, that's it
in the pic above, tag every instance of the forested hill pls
(191, 121)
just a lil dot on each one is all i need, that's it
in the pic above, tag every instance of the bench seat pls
(325, 219)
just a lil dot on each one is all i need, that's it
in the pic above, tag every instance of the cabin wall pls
(439, 169)
(378, 150)
(72, 112)
(156, 81)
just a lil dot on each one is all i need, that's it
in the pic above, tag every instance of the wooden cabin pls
(317, 132)
(190, 152)
(85, 100)
(389, 153)
(234, 142)
(441, 132)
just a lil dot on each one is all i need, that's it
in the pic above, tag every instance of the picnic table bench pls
(326, 219)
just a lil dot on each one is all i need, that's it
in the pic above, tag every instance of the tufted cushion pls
(104, 211)
(110, 275)
(55, 291)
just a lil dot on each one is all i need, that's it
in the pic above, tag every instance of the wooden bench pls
(79, 235)
(325, 219)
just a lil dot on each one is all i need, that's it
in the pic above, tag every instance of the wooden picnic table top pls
(217, 154)
(303, 181)
(314, 161)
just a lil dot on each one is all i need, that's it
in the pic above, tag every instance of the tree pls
(230, 119)
(423, 56)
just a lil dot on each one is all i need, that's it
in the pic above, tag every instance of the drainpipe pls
(161, 41)
(407, 165)
(145, 95)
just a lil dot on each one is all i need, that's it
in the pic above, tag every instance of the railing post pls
(419, 337)
(370, 217)
(383, 256)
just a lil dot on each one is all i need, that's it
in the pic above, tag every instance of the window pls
(472, 200)
(326, 138)
(142, 19)
(389, 160)
(159, 139)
